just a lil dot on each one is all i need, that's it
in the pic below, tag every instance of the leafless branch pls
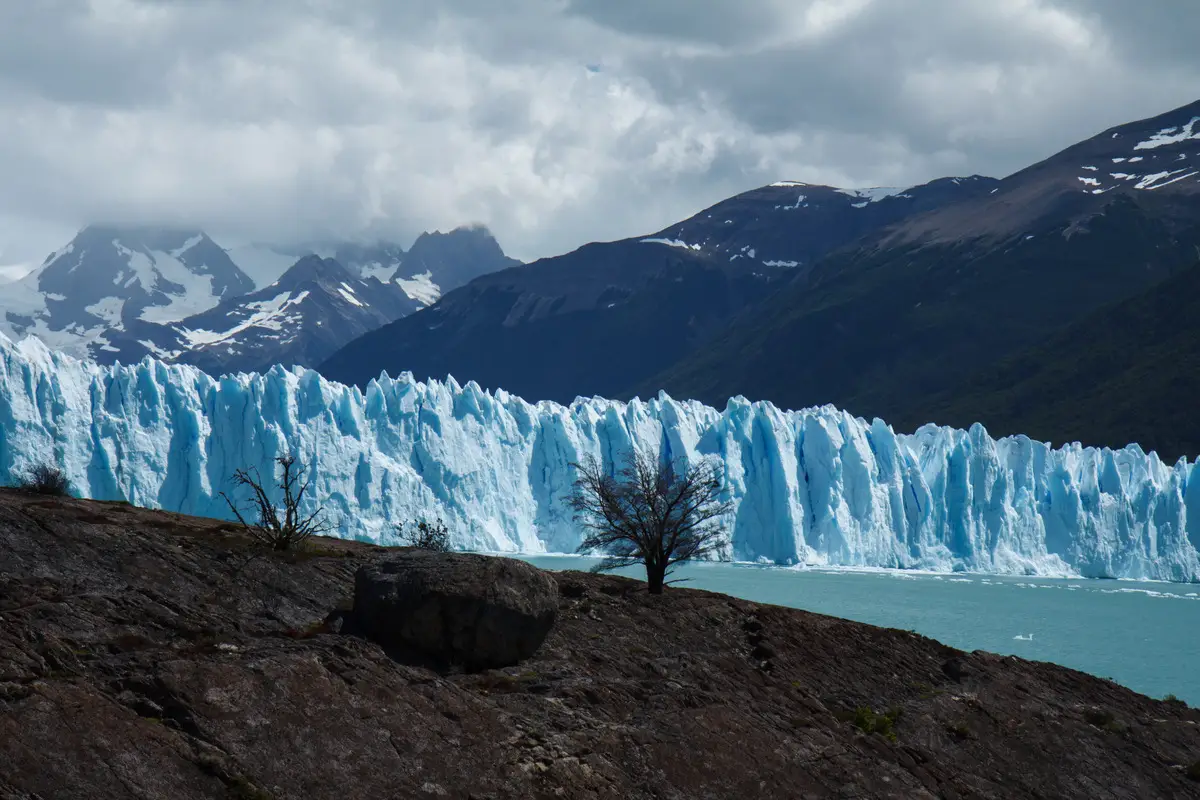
(269, 528)
(650, 513)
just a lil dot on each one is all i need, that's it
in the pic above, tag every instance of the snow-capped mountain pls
(109, 278)
(310, 311)
(446, 261)
(121, 293)
(436, 263)
(793, 224)
(914, 311)
(817, 486)
(265, 263)
(613, 313)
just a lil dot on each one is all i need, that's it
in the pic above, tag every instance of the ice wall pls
(816, 486)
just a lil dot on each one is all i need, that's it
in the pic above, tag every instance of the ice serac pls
(816, 486)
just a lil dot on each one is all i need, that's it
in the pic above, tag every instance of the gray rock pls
(456, 608)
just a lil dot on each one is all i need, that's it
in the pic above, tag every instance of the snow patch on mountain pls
(872, 194)
(670, 243)
(421, 288)
(348, 293)
(269, 314)
(1173, 135)
(816, 486)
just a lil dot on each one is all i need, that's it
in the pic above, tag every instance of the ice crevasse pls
(816, 486)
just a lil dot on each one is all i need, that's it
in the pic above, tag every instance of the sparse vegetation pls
(1102, 718)
(44, 479)
(649, 513)
(867, 721)
(959, 731)
(425, 535)
(284, 532)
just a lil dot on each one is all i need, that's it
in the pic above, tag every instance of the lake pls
(1143, 635)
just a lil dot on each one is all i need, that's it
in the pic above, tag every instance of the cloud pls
(554, 122)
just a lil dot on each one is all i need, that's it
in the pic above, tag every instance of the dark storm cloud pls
(554, 122)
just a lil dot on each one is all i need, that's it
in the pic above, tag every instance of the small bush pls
(425, 536)
(867, 721)
(279, 532)
(45, 479)
(1193, 771)
(1103, 719)
(959, 731)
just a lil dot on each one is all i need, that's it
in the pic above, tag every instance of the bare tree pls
(425, 535)
(45, 479)
(293, 528)
(650, 513)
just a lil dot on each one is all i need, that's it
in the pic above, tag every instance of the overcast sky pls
(554, 122)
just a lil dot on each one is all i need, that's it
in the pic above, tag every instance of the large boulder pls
(456, 608)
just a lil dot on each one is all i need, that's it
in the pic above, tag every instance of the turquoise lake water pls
(1143, 635)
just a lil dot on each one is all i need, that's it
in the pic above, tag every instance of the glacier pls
(811, 487)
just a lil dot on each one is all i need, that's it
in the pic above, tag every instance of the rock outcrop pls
(456, 608)
(151, 655)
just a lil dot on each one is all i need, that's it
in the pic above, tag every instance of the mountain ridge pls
(912, 312)
(124, 292)
(312, 309)
(609, 313)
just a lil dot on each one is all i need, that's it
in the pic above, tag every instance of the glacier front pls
(817, 486)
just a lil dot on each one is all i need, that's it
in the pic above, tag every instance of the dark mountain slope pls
(596, 319)
(454, 258)
(880, 327)
(561, 327)
(796, 224)
(1126, 373)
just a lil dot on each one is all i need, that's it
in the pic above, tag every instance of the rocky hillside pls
(149, 655)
